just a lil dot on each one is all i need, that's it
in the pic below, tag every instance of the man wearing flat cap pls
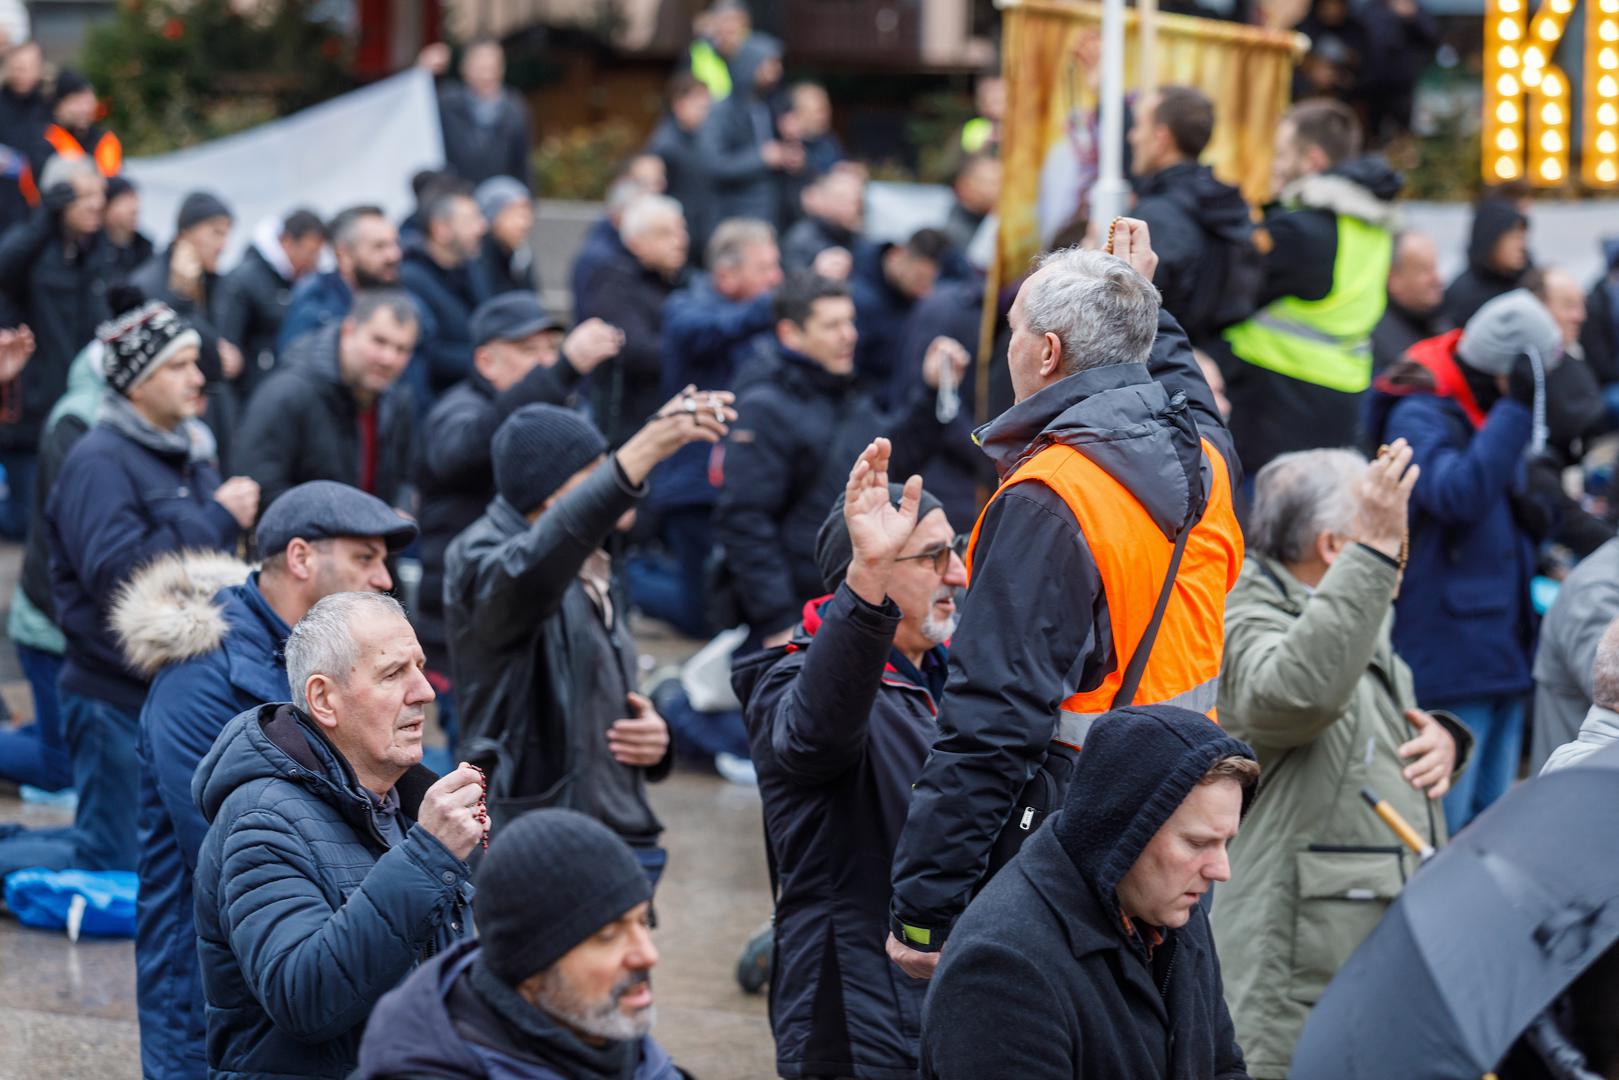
(541, 654)
(519, 358)
(558, 985)
(139, 485)
(217, 652)
(840, 721)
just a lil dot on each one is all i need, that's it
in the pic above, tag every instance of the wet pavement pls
(67, 1011)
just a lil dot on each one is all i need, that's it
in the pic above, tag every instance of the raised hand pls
(1132, 242)
(877, 528)
(16, 346)
(590, 344)
(944, 351)
(690, 416)
(1383, 497)
(450, 811)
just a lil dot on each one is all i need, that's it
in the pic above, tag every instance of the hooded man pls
(558, 984)
(840, 721)
(139, 485)
(1125, 981)
(747, 160)
(1297, 370)
(506, 261)
(1467, 404)
(212, 658)
(1497, 256)
(1200, 227)
(1116, 488)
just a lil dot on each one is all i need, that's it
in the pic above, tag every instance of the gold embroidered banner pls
(1045, 141)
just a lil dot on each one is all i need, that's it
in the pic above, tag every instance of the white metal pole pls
(1110, 194)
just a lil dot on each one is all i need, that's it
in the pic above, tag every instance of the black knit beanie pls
(834, 551)
(137, 343)
(537, 449)
(551, 879)
(198, 207)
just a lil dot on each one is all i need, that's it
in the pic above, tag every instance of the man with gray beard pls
(558, 985)
(840, 721)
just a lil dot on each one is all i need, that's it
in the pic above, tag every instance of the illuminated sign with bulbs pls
(1528, 100)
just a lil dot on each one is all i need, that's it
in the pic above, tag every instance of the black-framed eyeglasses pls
(940, 554)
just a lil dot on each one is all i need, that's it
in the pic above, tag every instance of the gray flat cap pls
(324, 509)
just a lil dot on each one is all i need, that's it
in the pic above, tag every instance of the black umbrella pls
(1487, 934)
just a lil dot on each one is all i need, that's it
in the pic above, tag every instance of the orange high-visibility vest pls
(1132, 555)
(108, 156)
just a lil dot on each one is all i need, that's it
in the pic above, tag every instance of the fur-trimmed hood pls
(167, 613)
(1363, 188)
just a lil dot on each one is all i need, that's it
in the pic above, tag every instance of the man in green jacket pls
(1311, 682)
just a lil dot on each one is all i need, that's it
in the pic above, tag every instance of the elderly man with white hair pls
(334, 863)
(1601, 726)
(628, 291)
(1116, 495)
(1310, 680)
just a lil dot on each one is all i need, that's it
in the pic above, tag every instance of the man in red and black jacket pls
(840, 721)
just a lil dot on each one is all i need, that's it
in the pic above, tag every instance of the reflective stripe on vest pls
(1326, 342)
(709, 68)
(1132, 556)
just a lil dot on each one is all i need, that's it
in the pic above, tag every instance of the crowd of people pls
(1252, 528)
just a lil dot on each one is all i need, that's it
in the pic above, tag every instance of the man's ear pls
(1051, 357)
(321, 695)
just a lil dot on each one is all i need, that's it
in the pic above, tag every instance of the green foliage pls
(935, 130)
(177, 73)
(581, 163)
(1445, 164)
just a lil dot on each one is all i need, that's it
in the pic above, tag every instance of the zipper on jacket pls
(1169, 970)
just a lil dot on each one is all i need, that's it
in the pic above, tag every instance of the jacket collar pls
(898, 672)
(1015, 435)
(812, 376)
(247, 665)
(504, 516)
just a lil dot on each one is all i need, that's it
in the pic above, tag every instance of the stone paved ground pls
(67, 1012)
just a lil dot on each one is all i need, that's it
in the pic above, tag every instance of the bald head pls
(1560, 291)
(1414, 282)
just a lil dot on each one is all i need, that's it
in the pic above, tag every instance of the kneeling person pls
(557, 986)
(1090, 954)
(334, 863)
(840, 721)
(543, 664)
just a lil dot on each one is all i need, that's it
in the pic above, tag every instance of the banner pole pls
(1109, 194)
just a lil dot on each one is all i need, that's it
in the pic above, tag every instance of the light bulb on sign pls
(1506, 139)
(1608, 87)
(1508, 30)
(1608, 30)
(1506, 113)
(1551, 142)
(1607, 115)
(1551, 114)
(1608, 58)
(1607, 143)
(1607, 172)
(1506, 168)
(1507, 57)
(1551, 170)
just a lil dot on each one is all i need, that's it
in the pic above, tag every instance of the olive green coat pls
(1311, 682)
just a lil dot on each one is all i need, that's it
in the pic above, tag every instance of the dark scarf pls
(546, 1039)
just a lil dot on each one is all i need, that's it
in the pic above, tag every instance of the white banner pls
(361, 147)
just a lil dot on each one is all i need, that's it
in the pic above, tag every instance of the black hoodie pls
(1481, 282)
(1195, 221)
(1044, 979)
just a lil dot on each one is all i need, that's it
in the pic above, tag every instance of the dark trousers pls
(101, 741)
(670, 585)
(37, 755)
(18, 508)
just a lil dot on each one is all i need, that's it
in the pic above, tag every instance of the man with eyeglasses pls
(840, 720)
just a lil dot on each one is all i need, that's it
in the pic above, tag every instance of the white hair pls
(1299, 496)
(733, 238)
(323, 641)
(621, 193)
(1101, 310)
(646, 213)
(64, 170)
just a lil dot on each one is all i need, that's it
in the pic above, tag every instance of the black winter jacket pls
(1480, 282)
(527, 645)
(61, 293)
(1042, 981)
(1195, 222)
(1399, 329)
(253, 300)
(839, 729)
(729, 140)
(798, 431)
(445, 301)
(303, 424)
(1035, 627)
(455, 477)
(504, 271)
(306, 914)
(690, 181)
(628, 389)
(476, 152)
